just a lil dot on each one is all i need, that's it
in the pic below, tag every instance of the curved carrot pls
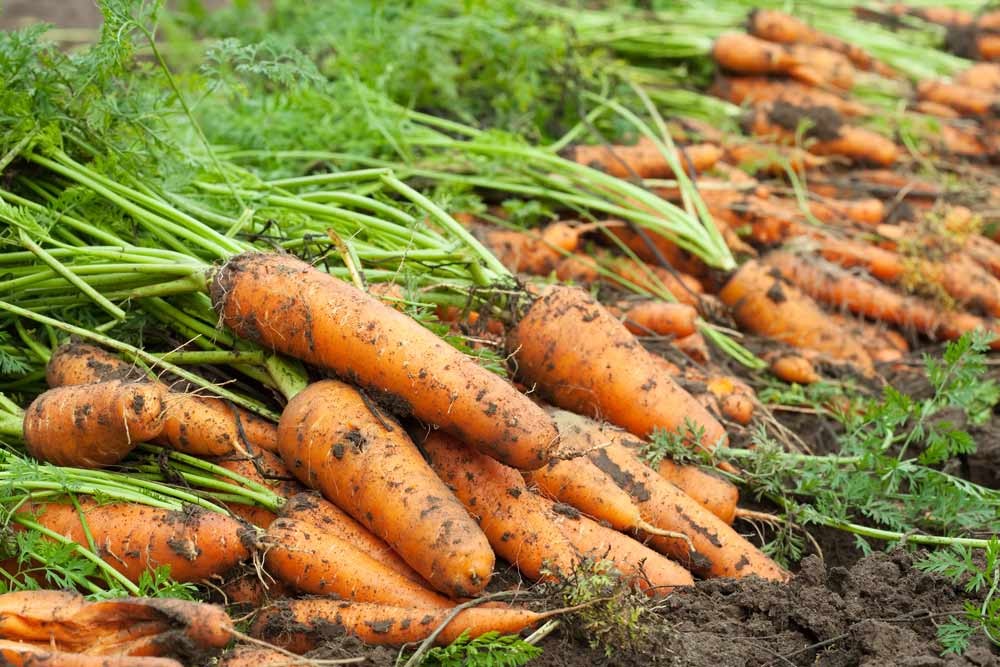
(133, 539)
(836, 287)
(313, 508)
(321, 563)
(518, 523)
(94, 425)
(363, 461)
(302, 625)
(582, 435)
(586, 361)
(197, 425)
(761, 301)
(718, 550)
(285, 304)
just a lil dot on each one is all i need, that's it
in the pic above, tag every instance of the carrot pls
(534, 252)
(772, 159)
(658, 318)
(755, 90)
(582, 435)
(958, 275)
(95, 425)
(302, 625)
(777, 26)
(836, 287)
(674, 255)
(831, 136)
(19, 654)
(519, 524)
(963, 140)
(694, 347)
(964, 99)
(364, 462)
(883, 344)
(133, 539)
(833, 69)
(285, 304)
(66, 621)
(314, 509)
(584, 360)
(868, 211)
(718, 550)
(984, 252)
(247, 588)
(735, 403)
(744, 54)
(197, 425)
(988, 46)
(761, 301)
(580, 268)
(794, 368)
(946, 16)
(252, 656)
(982, 76)
(644, 159)
(321, 563)
(266, 469)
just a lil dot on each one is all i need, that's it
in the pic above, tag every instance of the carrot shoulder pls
(287, 305)
(363, 461)
(582, 359)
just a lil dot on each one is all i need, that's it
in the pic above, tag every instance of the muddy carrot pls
(362, 460)
(249, 588)
(584, 360)
(581, 268)
(321, 563)
(718, 550)
(964, 99)
(777, 26)
(534, 252)
(197, 425)
(755, 90)
(675, 256)
(745, 54)
(267, 470)
(313, 508)
(982, 76)
(95, 425)
(134, 539)
(838, 288)
(302, 625)
(285, 304)
(883, 344)
(761, 301)
(583, 435)
(20, 654)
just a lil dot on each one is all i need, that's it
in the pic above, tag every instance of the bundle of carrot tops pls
(276, 338)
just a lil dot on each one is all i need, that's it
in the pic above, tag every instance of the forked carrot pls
(321, 563)
(362, 460)
(285, 304)
(584, 360)
(582, 435)
(95, 425)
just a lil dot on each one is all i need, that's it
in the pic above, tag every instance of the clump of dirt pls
(880, 611)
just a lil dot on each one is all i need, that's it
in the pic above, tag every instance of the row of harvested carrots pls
(399, 530)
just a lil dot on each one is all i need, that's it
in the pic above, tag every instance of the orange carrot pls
(959, 139)
(252, 656)
(528, 525)
(63, 621)
(794, 368)
(582, 435)
(744, 54)
(868, 211)
(302, 625)
(285, 304)
(321, 563)
(935, 109)
(883, 344)
(772, 159)
(964, 99)
(95, 425)
(197, 425)
(133, 539)
(581, 268)
(675, 256)
(363, 461)
(755, 90)
(584, 360)
(765, 304)
(246, 587)
(718, 550)
(534, 252)
(735, 399)
(313, 508)
(777, 26)
(836, 287)
(658, 318)
(982, 76)
(644, 159)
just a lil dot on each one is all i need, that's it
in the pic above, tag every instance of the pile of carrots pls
(405, 475)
